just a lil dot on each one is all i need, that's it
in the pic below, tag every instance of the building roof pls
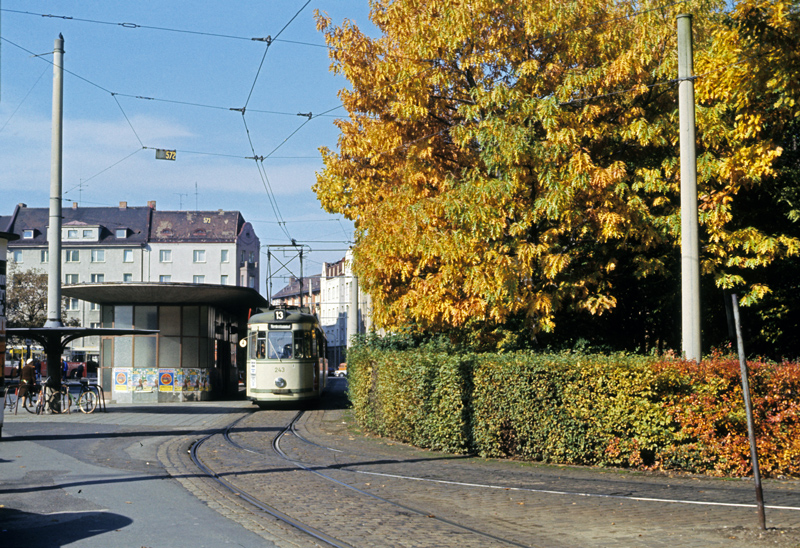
(199, 226)
(134, 220)
(141, 225)
(293, 289)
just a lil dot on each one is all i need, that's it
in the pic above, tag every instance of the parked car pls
(341, 371)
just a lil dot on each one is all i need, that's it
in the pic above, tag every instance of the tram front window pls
(260, 346)
(279, 345)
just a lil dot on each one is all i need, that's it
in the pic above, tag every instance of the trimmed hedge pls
(609, 410)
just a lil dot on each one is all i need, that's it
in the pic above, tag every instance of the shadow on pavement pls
(107, 435)
(32, 530)
(184, 408)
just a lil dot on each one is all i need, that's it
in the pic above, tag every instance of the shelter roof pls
(235, 299)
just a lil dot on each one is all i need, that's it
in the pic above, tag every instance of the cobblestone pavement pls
(497, 501)
(448, 500)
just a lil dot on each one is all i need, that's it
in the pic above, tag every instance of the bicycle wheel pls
(87, 401)
(40, 403)
(30, 401)
(60, 400)
(66, 400)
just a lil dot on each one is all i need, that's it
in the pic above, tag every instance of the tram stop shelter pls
(193, 351)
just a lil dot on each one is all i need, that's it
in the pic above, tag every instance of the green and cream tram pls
(285, 356)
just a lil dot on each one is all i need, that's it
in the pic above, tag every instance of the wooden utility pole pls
(690, 248)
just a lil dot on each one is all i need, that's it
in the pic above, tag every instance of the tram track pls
(373, 508)
(256, 501)
(372, 492)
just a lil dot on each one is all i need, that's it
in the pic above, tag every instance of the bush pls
(642, 412)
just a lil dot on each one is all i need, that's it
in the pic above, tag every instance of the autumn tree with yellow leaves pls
(516, 163)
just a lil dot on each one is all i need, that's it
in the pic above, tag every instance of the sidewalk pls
(94, 480)
(200, 415)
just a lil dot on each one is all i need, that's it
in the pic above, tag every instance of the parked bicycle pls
(55, 399)
(89, 396)
(25, 395)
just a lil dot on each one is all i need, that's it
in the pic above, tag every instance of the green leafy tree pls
(26, 294)
(27, 297)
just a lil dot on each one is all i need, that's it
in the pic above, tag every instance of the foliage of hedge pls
(611, 410)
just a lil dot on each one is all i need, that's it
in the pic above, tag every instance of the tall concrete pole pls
(690, 247)
(54, 227)
(352, 311)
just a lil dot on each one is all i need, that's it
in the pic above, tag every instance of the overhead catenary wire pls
(262, 172)
(135, 25)
(24, 99)
(84, 181)
(265, 181)
(271, 154)
(269, 42)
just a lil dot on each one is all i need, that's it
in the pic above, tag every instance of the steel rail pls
(255, 501)
(290, 427)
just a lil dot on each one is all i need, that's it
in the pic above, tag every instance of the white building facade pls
(135, 244)
(336, 284)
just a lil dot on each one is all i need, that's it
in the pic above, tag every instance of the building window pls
(98, 278)
(95, 325)
(98, 255)
(244, 256)
(165, 256)
(252, 282)
(72, 304)
(121, 233)
(127, 255)
(94, 306)
(165, 278)
(27, 233)
(199, 255)
(198, 279)
(252, 257)
(127, 277)
(87, 234)
(72, 233)
(44, 255)
(71, 279)
(223, 280)
(223, 256)
(73, 256)
(17, 256)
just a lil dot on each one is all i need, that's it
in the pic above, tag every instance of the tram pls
(285, 356)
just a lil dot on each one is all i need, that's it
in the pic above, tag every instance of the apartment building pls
(295, 292)
(336, 284)
(135, 244)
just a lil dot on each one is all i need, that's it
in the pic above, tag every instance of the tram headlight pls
(280, 382)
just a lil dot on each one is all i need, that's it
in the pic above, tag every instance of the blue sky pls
(112, 61)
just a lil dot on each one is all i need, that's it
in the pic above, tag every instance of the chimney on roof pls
(151, 204)
(74, 205)
(123, 205)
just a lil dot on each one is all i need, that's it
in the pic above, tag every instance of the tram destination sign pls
(280, 326)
